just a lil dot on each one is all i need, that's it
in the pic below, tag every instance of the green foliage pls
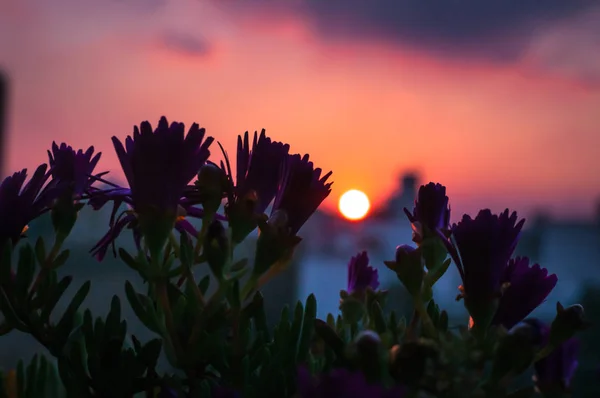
(214, 334)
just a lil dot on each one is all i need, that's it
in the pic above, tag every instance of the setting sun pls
(354, 204)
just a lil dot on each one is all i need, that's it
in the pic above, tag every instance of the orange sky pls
(517, 134)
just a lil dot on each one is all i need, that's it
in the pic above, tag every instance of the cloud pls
(143, 6)
(494, 29)
(570, 50)
(185, 43)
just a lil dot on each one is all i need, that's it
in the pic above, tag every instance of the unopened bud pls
(408, 362)
(409, 268)
(516, 351)
(404, 251)
(211, 183)
(368, 348)
(567, 322)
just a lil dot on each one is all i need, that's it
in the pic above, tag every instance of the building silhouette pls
(3, 117)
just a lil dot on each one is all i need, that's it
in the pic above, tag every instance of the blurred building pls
(567, 248)
(330, 241)
(3, 112)
(570, 249)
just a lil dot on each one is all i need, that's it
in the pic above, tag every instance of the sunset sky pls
(497, 99)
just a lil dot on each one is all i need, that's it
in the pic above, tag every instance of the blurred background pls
(497, 100)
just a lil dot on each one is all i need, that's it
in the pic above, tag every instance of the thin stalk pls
(426, 322)
(46, 267)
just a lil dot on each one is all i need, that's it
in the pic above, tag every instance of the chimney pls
(3, 112)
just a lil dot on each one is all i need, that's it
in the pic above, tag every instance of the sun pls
(354, 204)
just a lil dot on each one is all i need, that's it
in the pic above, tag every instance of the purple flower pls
(431, 211)
(301, 191)
(341, 383)
(73, 169)
(19, 204)
(483, 247)
(555, 372)
(158, 166)
(527, 288)
(361, 275)
(259, 171)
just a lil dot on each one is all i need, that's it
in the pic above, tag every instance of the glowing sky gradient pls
(513, 134)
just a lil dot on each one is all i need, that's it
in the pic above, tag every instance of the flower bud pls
(409, 361)
(368, 349)
(367, 342)
(517, 349)
(404, 251)
(211, 183)
(409, 268)
(567, 322)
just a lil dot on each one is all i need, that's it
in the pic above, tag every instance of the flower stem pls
(411, 332)
(163, 299)
(544, 352)
(249, 287)
(46, 267)
(428, 326)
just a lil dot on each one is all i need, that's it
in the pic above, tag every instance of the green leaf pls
(353, 309)
(282, 331)
(178, 309)
(310, 314)
(260, 319)
(204, 284)
(54, 296)
(61, 259)
(25, 272)
(31, 377)
(143, 308)
(331, 321)
(330, 337)
(234, 295)
(442, 324)
(65, 325)
(40, 250)
(239, 265)
(186, 251)
(339, 325)
(433, 310)
(296, 328)
(43, 290)
(128, 259)
(434, 254)
(9, 312)
(193, 303)
(6, 261)
(150, 352)
(434, 275)
(378, 318)
(113, 320)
